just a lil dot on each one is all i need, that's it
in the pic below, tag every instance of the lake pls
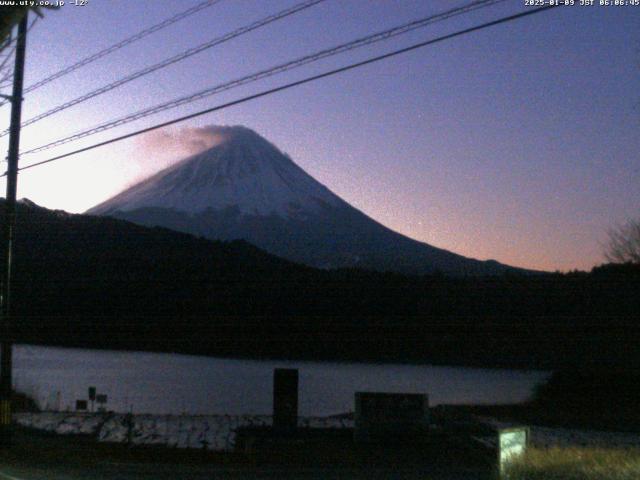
(162, 383)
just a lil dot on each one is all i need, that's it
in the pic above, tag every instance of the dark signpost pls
(81, 405)
(386, 416)
(101, 400)
(92, 396)
(285, 399)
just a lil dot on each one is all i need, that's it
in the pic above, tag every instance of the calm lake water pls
(168, 383)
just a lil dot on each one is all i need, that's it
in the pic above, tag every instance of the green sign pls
(512, 443)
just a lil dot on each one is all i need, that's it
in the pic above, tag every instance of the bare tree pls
(624, 243)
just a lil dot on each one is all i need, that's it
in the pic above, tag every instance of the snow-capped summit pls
(245, 188)
(243, 171)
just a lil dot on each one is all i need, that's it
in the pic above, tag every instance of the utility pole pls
(9, 226)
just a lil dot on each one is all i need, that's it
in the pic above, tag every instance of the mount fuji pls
(245, 188)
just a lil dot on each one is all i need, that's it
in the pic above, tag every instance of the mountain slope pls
(91, 281)
(245, 188)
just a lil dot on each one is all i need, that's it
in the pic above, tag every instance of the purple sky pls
(518, 143)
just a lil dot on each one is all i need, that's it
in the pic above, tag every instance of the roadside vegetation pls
(585, 398)
(603, 398)
(577, 464)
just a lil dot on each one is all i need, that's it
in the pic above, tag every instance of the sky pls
(517, 143)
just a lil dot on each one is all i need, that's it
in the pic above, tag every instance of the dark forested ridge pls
(99, 282)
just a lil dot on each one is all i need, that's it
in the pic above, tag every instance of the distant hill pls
(100, 282)
(245, 188)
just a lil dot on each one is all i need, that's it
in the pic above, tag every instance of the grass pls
(577, 464)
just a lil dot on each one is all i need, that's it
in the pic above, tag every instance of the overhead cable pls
(292, 84)
(367, 40)
(170, 61)
(127, 41)
(4, 77)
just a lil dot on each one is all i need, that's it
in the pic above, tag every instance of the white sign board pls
(512, 443)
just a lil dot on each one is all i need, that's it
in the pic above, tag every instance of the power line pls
(8, 56)
(294, 84)
(5, 77)
(363, 41)
(170, 61)
(127, 41)
(119, 45)
(6, 42)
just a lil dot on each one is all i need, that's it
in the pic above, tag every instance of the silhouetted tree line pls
(593, 396)
(591, 390)
(105, 283)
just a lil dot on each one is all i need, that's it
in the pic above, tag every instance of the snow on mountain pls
(245, 188)
(243, 171)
